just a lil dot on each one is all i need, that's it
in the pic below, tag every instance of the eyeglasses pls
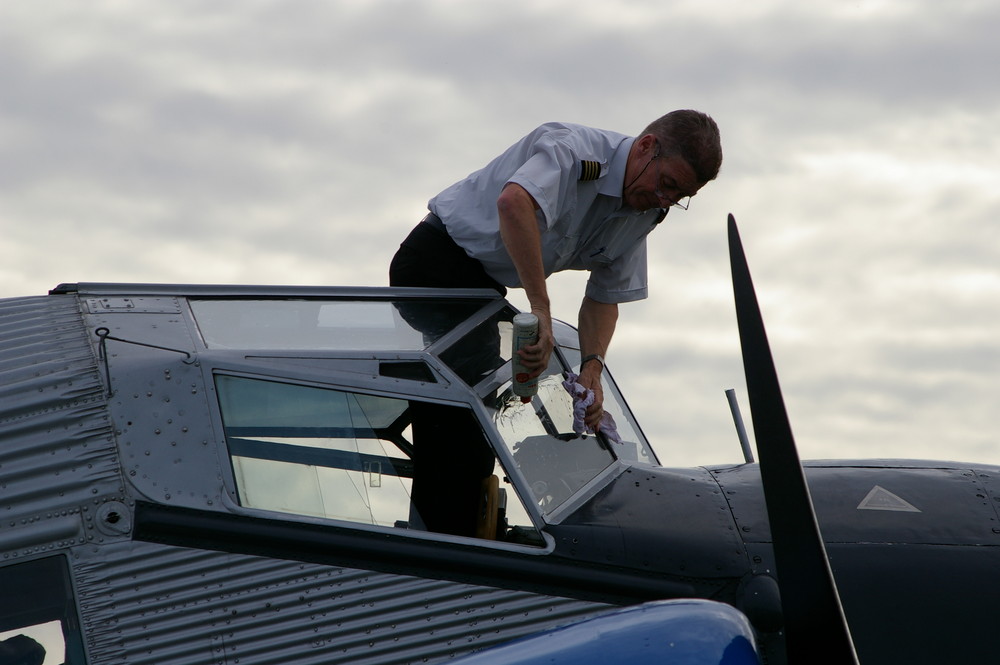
(682, 202)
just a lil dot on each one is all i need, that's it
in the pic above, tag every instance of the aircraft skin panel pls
(914, 548)
(55, 431)
(161, 605)
(648, 506)
(160, 406)
(947, 504)
(898, 616)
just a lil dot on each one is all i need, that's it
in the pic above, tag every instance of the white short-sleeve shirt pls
(576, 176)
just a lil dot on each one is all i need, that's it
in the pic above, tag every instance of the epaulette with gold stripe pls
(589, 170)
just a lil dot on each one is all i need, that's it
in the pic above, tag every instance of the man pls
(564, 197)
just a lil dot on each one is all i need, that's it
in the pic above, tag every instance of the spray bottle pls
(525, 333)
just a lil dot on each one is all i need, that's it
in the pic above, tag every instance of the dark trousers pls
(452, 456)
(429, 257)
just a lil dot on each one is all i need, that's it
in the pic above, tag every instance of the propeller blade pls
(816, 630)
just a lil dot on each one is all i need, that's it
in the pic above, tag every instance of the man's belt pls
(435, 223)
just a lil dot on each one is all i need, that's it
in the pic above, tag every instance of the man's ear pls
(647, 144)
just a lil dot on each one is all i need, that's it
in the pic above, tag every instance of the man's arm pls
(597, 326)
(520, 235)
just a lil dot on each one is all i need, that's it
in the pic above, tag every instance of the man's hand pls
(590, 377)
(535, 357)
(597, 326)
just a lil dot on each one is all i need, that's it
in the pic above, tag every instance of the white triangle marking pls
(882, 499)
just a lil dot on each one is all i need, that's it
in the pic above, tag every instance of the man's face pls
(663, 181)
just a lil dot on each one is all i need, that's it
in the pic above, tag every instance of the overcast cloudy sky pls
(297, 142)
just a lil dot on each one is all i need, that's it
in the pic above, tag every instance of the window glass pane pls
(272, 404)
(365, 494)
(634, 447)
(483, 350)
(553, 458)
(365, 458)
(317, 452)
(339, 325)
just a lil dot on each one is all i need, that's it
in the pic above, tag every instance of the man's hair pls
(693, 136)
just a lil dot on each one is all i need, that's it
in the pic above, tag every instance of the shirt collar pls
(613, 184)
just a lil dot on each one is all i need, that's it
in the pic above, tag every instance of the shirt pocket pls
(564, 251)
(598, 257)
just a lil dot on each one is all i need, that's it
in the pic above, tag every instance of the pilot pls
(564, 197)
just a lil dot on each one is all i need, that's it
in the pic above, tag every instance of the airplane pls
(254, 474)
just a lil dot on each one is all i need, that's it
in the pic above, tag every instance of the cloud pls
(259, 141)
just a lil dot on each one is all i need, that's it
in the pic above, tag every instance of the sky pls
(297, 142)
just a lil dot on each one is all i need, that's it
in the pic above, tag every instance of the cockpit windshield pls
(556, 458)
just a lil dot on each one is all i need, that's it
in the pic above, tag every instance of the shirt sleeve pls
(549, 175)
(624, 280)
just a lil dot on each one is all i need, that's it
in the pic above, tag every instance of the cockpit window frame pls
(229, 364)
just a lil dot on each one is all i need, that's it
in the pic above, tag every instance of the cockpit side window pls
(38, 621)
(370, 459)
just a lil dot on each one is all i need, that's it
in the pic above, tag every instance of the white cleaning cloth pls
(582, 398)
